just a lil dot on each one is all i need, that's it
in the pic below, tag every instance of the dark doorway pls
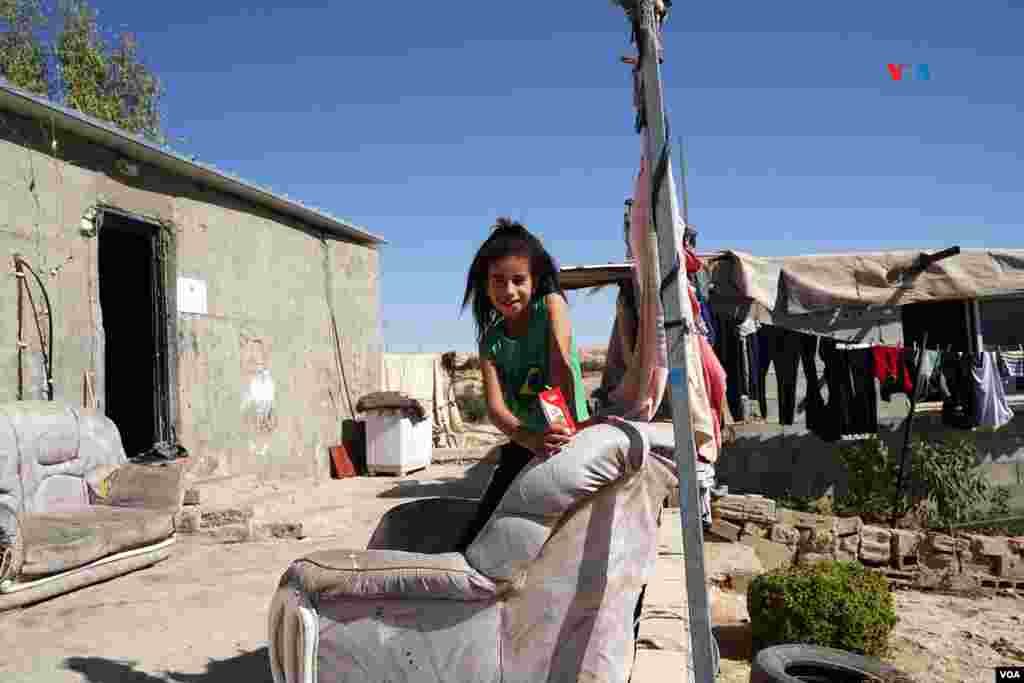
(132, 299)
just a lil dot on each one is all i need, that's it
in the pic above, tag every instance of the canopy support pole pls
(678, 325)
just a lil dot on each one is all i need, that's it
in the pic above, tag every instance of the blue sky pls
(424, 121)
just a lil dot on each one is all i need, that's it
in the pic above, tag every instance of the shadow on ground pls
(251, 667)
(471, 485)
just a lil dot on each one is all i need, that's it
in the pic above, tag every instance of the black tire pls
(813, 664)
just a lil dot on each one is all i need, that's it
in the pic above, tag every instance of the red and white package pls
(556, 410)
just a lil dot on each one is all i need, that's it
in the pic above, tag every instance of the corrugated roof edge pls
(140, 149)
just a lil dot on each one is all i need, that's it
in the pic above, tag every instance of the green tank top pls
(522, 365)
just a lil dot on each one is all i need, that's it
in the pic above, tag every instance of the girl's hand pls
(547, 443)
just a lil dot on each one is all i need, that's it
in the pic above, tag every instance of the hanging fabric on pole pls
(685, 376)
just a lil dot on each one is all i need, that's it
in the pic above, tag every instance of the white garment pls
(992, 408)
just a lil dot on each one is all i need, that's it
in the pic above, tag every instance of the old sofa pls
(546, 592)
(73, 510)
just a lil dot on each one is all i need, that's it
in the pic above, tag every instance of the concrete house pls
(185, 303)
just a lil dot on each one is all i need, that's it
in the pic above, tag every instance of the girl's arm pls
(559, 349)
(509, 425)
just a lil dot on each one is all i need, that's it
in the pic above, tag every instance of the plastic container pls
(395, 445)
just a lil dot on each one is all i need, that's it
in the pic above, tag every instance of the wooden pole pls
(907, 430)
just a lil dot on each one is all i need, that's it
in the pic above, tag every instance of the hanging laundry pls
(852, 402)
(1014, 363)
(815, 416)
(890, 367)
(729, 348)
(959, 409)
(991, 408)
(782, 348)
(929, 372)
(755, 385)
(714, 381)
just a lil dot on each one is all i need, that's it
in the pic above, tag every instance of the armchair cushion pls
(334, 574)
(548, 488)
(58, 541)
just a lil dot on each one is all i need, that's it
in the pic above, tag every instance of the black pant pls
(814, 407)
(783, 348)
(512, 458)
(852, 401)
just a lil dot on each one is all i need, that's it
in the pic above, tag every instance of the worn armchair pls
(73, 510)
(546, 592)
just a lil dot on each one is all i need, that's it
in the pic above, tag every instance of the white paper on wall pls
(191, 295)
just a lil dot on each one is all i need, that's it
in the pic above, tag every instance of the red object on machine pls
(556, 410)
(341, 464)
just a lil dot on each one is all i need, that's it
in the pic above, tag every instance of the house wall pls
(271, 285)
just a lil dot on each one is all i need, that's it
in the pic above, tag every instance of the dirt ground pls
(200, 617)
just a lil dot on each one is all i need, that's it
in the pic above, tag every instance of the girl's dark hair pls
(509, 238)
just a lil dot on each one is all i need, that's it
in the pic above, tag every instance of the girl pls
(525, 341)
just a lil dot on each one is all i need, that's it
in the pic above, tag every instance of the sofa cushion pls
(547, 488)
(61, 540)
(390, 574)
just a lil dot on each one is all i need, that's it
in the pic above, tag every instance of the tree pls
(22, 57)
(78, 68)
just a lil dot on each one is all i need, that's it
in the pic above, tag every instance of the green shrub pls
(999, 501)
(957, 488)
(871, 480)
(832, 604)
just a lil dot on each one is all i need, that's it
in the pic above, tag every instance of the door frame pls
(163, 288)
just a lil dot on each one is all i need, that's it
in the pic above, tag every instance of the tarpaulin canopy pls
(797, 285)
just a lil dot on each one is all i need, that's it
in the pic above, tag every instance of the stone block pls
(235, 533)
(1009, 566)
(845, 526)
(850, 544)
(905, 543)
(846, 556)
(815, 558)
(817, 541)
(806, 520)
(753, 529)
(783, 533)
(939, 561)
(874, 552)
(772, 555)
(191, 497)
(726, 530)
(946, 544)
(280, 530)
(988, 546)
(747, 509)
(877, 534)
(722, 561)
(188, 520)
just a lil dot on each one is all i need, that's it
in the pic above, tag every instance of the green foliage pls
(78, 68)
(999, 501)
(82, 56)
(832, 604)
(956, 487)
(871, 474)
(472, 405)
(23, 59)
(791, 501)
